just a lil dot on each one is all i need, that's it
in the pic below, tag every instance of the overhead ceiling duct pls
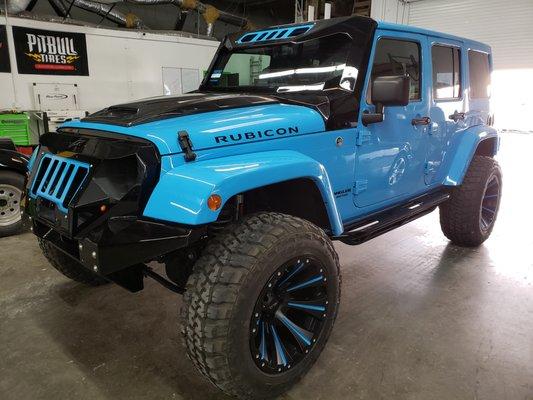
(210, 13)
(105, 10)
(15, 6)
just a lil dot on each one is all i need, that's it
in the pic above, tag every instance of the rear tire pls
(11, 188)
(224, 305)
(69, 267)
(467, 219)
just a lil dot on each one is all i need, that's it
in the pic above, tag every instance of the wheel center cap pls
(3, 203)
(271, 302)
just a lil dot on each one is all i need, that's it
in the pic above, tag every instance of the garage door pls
(507, 26)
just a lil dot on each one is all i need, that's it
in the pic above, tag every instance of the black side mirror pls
(387, 91)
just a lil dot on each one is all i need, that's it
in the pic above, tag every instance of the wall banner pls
(50, 52)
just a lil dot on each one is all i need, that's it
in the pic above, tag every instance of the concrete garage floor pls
(420, 319)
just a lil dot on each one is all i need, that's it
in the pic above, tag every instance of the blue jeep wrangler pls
(299, 135)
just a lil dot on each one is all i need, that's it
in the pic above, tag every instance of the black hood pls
(157, 108)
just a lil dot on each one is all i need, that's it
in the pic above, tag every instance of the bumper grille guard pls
(58, 179)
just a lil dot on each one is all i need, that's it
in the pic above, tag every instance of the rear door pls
(390, 155)
(447, 104)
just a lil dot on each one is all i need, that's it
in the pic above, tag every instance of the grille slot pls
(58, 179)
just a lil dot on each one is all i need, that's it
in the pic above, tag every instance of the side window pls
(398, 57)
(479, 73)
(446, 72)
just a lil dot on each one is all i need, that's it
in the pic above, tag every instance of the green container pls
(16, 127)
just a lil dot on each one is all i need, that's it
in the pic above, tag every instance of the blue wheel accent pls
(305, 306)
(489, 203)
(300, 333)
(305, 284)
(289, 315)
(280, 353)
(297, 269)
(262, 347)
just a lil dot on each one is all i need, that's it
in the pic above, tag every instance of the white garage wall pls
(123, 65)
(507, 26)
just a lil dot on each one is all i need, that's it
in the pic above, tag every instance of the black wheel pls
(69, 267)
(261, 303)
(467, 219)
(11, 188)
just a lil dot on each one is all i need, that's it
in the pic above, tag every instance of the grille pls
(58, 179)
(274, 34)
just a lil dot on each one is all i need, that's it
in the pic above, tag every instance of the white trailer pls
(123, 65)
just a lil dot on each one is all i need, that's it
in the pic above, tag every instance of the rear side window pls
(446, 72)
(479, 71)
(398, 57)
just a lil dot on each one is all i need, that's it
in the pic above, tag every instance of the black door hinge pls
(186, 145)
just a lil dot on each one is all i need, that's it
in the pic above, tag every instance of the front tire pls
(240, 328)
(467, 219)
(69, 267)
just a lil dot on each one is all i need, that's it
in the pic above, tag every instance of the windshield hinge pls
(363, 136)
(186, 145)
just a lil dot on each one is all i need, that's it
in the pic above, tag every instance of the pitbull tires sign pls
(50, 52)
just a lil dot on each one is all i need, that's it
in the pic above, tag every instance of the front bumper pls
(133, 241)
(85, 196)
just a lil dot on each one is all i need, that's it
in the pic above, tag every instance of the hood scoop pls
(159, 108)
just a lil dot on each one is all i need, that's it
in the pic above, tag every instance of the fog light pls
(214, 202)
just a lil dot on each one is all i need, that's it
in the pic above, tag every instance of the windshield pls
(315, 64)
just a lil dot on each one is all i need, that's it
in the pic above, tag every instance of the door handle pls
(421, 121)
(456, 116)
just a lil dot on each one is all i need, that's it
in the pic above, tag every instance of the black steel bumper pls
(123, 242)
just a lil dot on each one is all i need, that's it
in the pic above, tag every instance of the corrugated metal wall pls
(507, 25)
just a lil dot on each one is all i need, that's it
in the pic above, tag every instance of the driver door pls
(390, 155)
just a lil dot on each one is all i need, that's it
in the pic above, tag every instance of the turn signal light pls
(103, 208)
(214, 202)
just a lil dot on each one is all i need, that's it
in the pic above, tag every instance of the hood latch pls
(186, 145)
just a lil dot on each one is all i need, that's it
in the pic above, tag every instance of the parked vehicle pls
(13, 169)
(331, 130)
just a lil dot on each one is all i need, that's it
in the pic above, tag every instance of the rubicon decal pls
(50, 52)
(254, 135)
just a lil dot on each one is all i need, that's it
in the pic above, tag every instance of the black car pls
(13, 169)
